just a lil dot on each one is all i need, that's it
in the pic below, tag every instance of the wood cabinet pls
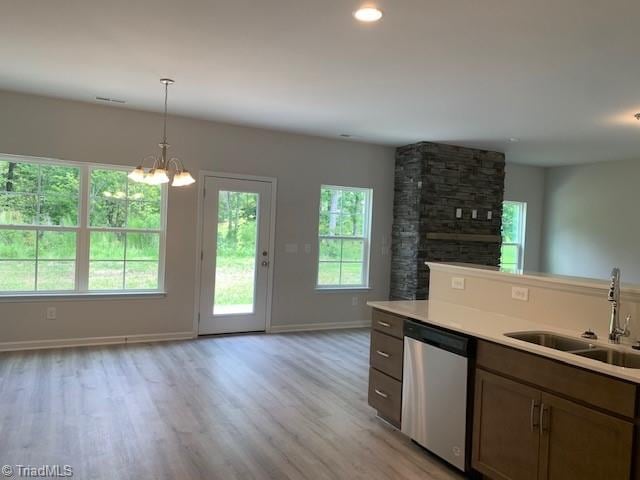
(386, 360)
(523, 431)
(505, 437)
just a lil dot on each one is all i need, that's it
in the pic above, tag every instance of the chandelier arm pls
(177, 163)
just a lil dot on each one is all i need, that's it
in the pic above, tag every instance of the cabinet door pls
(506, 436)
(579, 443)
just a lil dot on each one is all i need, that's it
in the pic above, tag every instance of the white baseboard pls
(308, 327)
(87, 341)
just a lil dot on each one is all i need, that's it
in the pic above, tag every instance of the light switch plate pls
(457, 283)
(458, 213)
(474, 213)
(520, 293)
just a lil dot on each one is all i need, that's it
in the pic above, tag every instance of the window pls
(513, 231)
(74, 228)
(344, 234)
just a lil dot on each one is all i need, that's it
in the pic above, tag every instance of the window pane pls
(108, 184)
(141, 275)
(106, 275)
(106, 246)
(140, 191)
(17, 276)
(143, 246)
(18, 177)
(56, 246)
(509, 255)
(329, 273)
(58, 210)
(511, 213)
(18, 208)
(108, 212)
(17, 244)
(56, 180)
(56, 275)
(237, 244)
(144, 215)
(351, 274)
(352, 250)
(330, 250)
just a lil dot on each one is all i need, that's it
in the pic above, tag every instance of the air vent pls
(110, 100)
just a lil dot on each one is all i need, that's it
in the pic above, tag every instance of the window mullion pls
(82, 242)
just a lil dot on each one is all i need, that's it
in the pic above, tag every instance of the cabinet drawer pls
(388, 323)
(386, 354)
(385, 395)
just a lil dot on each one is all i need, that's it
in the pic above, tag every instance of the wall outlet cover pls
(307, 248)
(457, 283)
(51, 313)
(520, 293)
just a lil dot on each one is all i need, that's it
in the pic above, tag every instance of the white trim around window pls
(82, 230)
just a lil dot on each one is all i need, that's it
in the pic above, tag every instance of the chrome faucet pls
(615, 330)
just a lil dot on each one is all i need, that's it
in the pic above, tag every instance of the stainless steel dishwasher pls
(435, 391)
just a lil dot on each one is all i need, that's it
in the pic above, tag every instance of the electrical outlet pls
(307, 248)
(354, 301)
(520, 293)
(457, 283)
(51, 313)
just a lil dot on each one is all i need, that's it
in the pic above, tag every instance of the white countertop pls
(492, 327)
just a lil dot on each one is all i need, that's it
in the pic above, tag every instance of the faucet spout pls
(615, 330)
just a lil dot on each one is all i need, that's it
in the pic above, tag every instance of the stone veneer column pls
(431, 181)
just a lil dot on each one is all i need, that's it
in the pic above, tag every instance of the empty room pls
(281, 239)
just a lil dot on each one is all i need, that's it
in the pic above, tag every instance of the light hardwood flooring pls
(286, 406)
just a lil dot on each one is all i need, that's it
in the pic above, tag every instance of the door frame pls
(202, 175)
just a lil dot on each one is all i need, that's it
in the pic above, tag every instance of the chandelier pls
(163, 168)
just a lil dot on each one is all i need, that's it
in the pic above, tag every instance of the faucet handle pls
(626, 332)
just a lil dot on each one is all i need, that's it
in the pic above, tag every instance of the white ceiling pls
(563, 76)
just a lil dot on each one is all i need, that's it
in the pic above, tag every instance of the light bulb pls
(182, 179)
(137, 174)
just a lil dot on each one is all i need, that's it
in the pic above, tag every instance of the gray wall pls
(591, 220)
(525, 183)
(39, 126)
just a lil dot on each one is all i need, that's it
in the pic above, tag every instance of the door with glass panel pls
(236, 231)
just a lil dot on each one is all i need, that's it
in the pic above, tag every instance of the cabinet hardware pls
(543, 409)
(382, 394)
(383, 354)
(533, 424)
(384, 324)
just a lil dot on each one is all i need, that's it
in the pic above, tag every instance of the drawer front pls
(385, 395)
(387, 323)
(386, 354)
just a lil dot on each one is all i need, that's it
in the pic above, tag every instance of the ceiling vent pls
(110, 100)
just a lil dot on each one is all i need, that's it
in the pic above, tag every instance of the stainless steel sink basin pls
(551, 340)
(582, 348)
(612, 357)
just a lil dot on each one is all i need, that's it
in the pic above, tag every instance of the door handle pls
(543, 409)
(534, 406)
(383, 354)
(384, 324)
(382, 394)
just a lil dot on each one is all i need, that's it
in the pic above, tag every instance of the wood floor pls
(287, 406)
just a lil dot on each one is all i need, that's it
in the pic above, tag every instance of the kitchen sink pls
(612, 357)
(551, 340)
(581, 348)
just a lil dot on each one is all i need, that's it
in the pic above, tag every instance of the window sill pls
(341, 289)
(44, 297)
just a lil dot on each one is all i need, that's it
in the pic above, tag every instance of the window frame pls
(521, 233)
(365, 238)
(83, 232)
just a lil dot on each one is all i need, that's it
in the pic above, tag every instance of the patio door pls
(236, 255)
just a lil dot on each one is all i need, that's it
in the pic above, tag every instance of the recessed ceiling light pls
(368, 14)
(514, 140)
